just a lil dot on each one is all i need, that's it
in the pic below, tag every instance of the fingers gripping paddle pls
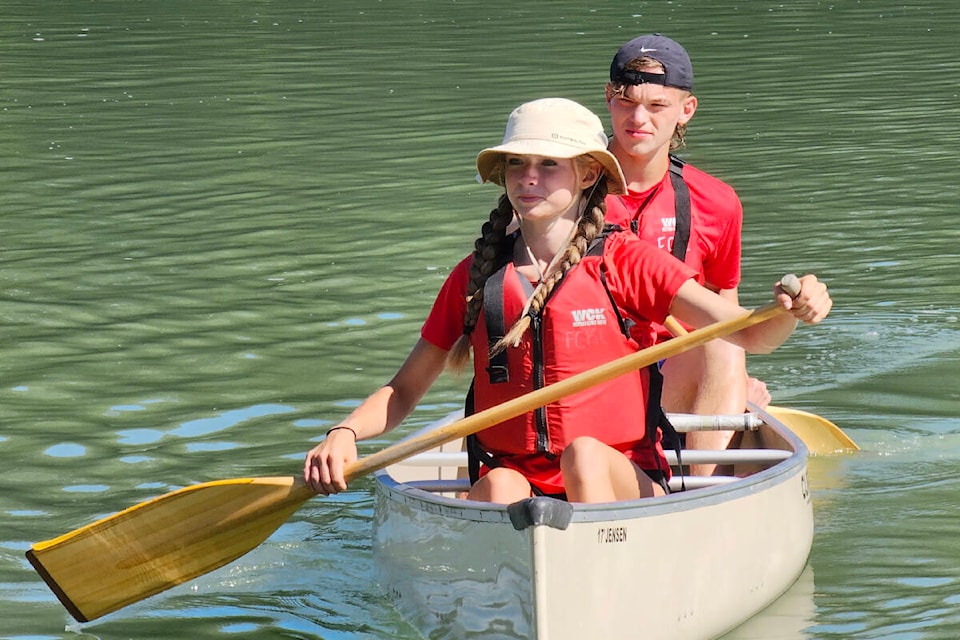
(163, 542)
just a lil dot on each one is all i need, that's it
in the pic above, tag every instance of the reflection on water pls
(224, 222)
(788, 618)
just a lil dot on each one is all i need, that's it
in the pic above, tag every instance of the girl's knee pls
(585, 444)
(583, 451)
(500, 485)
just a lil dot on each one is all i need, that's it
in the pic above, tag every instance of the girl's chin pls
(534, 213)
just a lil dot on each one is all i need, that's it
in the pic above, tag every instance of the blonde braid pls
(588, 228)
(488, 254)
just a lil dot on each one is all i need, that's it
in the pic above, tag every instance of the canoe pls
(691, 565)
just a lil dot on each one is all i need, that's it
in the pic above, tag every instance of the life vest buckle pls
(498, 373)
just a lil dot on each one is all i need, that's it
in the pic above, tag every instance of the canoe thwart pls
(687, 422)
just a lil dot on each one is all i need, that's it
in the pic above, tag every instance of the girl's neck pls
(545, 240)
(538, 251)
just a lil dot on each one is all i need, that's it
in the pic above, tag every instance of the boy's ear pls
(688, 108)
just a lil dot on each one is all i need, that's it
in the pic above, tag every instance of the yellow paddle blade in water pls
(821, 436)
(163, 542)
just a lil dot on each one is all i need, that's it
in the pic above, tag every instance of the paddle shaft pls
(551, 393)
(789, 283)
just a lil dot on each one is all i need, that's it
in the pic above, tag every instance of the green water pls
(223, 223)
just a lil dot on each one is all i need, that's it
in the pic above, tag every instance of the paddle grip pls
(791, 284)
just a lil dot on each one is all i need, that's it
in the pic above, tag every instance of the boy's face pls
(644, 117)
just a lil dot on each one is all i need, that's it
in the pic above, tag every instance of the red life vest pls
(579, 328)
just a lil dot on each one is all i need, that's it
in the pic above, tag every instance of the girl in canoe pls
(547, 293)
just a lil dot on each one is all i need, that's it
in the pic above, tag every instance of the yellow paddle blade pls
(821, 436)
(163, 542)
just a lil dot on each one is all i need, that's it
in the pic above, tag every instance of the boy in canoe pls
(547, 293)
(682, 210)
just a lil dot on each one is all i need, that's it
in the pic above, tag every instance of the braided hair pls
(491, 250)
(494, 248)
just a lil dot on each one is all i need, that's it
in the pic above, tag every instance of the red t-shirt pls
(716, 220)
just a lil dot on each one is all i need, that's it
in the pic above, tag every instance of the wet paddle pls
(163, 542)
(821, 436)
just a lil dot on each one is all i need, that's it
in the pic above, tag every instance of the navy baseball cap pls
(676, 63)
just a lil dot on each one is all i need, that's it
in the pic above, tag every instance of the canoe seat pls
(444, 471)
(462, 485)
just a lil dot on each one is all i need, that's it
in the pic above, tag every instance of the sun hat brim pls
(552, 128)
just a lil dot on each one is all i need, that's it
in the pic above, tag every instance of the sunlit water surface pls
(224, 222)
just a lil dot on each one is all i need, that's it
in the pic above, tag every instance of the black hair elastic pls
(350, 429)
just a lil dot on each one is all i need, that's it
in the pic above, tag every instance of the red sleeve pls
(643, 279)
(723, 269)
(444, 325)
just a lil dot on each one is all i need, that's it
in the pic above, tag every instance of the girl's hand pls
(325, 463)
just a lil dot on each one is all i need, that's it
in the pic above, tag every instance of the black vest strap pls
(596, 249)
(625, 324)
(493, 317)
(681, 196)
(681, 207)
(475, 455)
(656, 417)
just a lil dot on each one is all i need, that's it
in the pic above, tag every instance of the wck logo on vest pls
(588, 317)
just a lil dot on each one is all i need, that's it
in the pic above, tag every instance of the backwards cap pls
(678, 70)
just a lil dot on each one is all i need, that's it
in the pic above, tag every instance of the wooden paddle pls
(821, 436)
(160, 543)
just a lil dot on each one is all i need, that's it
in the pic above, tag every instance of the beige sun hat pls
(555, 128)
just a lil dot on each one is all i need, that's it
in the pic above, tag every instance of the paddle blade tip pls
(37, 563)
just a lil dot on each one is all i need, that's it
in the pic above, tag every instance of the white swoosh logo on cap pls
(645, 50)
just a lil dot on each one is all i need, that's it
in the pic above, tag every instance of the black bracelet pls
(350, 429)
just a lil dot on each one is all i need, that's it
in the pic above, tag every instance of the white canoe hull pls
(691, 565)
